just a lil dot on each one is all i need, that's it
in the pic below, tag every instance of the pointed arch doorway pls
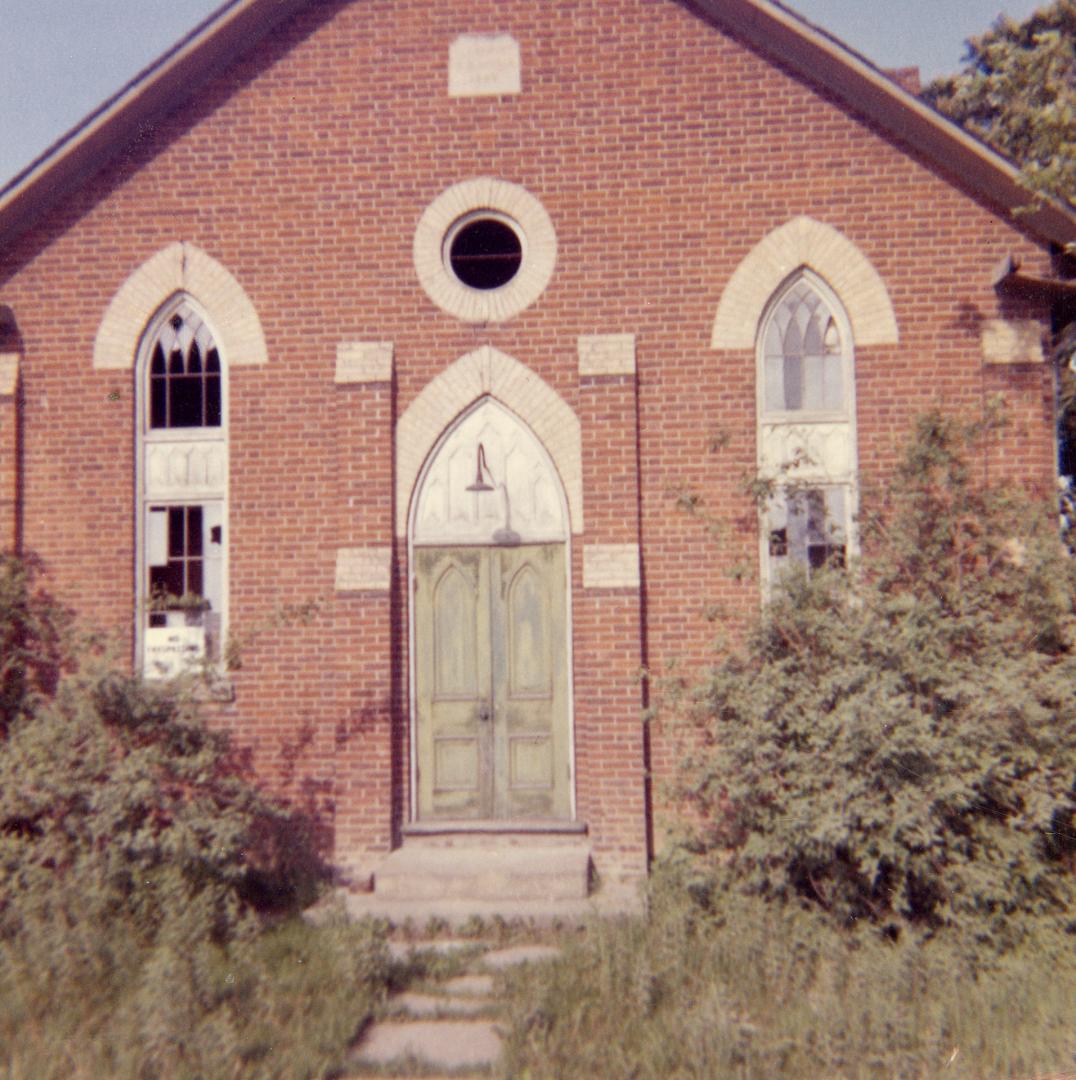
(491, 670)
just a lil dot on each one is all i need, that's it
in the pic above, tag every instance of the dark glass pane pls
(175, 362)
(157, 364)
(212, 361)
(175, 532)
(158, 402)
(212, 400)
(819, 555)
(486, 254)
(165, 581)
(194, 360)
(194, 531)
(186, 403)
(194, 578)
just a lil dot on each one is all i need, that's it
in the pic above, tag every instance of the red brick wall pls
(663, 151)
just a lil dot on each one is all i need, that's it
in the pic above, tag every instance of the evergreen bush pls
(896, 743)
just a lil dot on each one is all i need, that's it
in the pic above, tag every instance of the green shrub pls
(134, 850)
(33, 630)
(898, 743)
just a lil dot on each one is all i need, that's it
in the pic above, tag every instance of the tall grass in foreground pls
(760, 992)
(87, 1001)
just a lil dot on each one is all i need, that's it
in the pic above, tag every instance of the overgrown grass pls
(760, 991)
(85, 1000)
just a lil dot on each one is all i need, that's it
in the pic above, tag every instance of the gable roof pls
(771, 28)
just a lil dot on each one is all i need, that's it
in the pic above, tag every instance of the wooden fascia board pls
(825, 62)
(164, 85)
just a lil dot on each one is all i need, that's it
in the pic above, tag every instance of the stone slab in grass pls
(440, 1044)
(402, 950)
(415, 1004)
(476, 985)
(519, 954)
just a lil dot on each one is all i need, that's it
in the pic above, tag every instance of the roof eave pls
(773, 29)
(821, 59)
(236, 26)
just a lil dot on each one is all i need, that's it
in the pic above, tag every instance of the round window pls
(484, 251)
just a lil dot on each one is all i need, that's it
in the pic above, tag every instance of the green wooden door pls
(491, 683)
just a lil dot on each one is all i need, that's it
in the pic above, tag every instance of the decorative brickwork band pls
(364, 569)
(180, 268)
(1012, 341)
(9, 374)
(489, 371)
(607, 354)
(804, 242)
(364, 362)
(611, 566)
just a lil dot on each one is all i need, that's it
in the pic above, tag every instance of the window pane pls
(212, 401)
(175, 532)
(194, 578)
(157, 537)
(184, 378)
(194, 531)
(186, 404)
(807, 528)
(802, 357)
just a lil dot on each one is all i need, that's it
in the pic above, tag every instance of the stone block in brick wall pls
(9, 373)
(607, 354)
(363, 362)
(363, 569)
(484, 65)
(611, 566)
(1011, 341)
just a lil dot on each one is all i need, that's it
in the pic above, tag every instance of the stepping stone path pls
(451, 1026)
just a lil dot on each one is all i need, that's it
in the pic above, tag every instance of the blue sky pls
(59, 59)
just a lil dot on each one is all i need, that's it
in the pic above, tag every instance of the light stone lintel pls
(9, 374)
(1012, 341)
(364, 362)
(364, 569)
(607, 354)
(611, 566)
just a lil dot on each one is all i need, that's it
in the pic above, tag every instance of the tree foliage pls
(1017, 92)
(898, 743)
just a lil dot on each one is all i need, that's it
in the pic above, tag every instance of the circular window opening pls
(484, 252)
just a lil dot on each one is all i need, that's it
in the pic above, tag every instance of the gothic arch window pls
(182, 459)
(806, 424)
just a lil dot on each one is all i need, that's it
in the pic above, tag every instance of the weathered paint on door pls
(491, 683)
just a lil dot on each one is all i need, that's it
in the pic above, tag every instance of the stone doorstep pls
(510, 872)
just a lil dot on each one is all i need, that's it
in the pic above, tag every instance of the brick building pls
(376, 342)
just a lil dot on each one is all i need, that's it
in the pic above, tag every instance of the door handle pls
(485, 712)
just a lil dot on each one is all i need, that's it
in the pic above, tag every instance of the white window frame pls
(804, 449)
(206, 443)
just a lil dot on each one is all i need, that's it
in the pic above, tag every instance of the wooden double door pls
(491, 683)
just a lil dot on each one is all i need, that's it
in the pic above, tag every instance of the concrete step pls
(457, 913)
(483, 872)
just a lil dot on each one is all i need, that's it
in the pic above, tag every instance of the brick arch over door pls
(180, 268)
(488, 371)
(799, 243)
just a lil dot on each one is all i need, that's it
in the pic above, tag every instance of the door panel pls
(491, 691)
(452, 671)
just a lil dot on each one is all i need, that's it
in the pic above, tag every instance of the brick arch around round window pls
(798, 244)
(488, 371)
(180, 268)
